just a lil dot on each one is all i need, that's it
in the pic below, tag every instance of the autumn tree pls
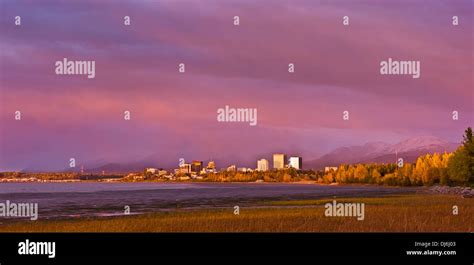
(461, 164)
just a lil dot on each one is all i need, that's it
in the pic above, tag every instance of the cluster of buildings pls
(279, 162)
(197, 168)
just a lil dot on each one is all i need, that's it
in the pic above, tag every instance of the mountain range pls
(380, 152)
(371, 152)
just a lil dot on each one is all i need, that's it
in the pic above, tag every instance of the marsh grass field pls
(396, 213)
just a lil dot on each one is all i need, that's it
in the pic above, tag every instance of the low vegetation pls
(407, 213)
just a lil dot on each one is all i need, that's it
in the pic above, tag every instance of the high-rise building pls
(278, 161)
(262, 165)
(184, 168)
(211, 165)
(296, 162)
(196, 166)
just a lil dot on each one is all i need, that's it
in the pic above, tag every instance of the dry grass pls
(412, 213)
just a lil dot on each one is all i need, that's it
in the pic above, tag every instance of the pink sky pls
(174, 115)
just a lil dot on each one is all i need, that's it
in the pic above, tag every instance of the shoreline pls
(302, 182)
(400, 213)
(92, 199)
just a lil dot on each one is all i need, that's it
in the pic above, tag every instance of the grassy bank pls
(408, 213)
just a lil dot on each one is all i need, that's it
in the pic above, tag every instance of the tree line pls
(456, 168)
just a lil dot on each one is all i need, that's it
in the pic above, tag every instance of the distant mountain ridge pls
(380, 152)
(371, 152)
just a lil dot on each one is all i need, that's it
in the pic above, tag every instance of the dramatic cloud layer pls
(174, 115)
